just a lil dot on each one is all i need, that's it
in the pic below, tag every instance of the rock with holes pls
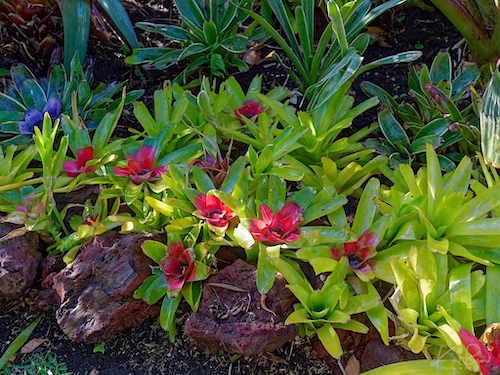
(232, 318)
(96, 289)
(19, 262)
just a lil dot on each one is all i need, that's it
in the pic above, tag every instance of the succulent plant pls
(27, 98)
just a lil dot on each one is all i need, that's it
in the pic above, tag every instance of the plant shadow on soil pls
(147, 349)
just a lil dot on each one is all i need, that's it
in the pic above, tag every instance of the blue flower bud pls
(53, 107)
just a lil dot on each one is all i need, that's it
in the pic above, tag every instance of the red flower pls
(75, 167)
(488, 361)
(250, 109)
(358, 252)
(216, 213)
(277, 229)
(140, 166)
(179, 267)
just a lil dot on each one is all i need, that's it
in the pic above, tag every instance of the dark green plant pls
(63, 92)
(327, 67)
(443, 114)
(77, 15)
(208, 37)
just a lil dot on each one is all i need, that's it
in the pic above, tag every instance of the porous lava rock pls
(96, 289)
(231, 317)
(19, 262)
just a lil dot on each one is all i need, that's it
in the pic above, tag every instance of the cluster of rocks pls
(92, 299)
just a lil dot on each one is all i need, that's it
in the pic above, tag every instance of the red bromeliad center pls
(249, 109)
(140, 166)
(178, 266)
(213, 210)
(280, 228)
(75, 167)
(358, 252)
(489, 361)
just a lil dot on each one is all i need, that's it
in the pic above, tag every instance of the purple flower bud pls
(25, 128)
(33, 117)
(53, 107)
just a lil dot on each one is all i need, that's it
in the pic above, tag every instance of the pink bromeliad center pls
(140, 166)
(280, 228)
(214, 211)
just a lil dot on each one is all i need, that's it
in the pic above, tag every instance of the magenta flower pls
(75, 167)
(179, 267)
(488, 360)
(280, 228)
(216, 213)
(250, 109)
(140, 166)
(215, 168)
(358, 253)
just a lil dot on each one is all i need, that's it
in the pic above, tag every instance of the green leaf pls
(19, 341)
(407, 283)
(460, 295)
(492, 300)
(266, 272)
(76, 26)
(441, 69)
(235, 44)
(167, 315)
(291, 274)
(393, 131)
(330, 340)
(154, 250)
(367, 209)
(419, 367)
(120, 20)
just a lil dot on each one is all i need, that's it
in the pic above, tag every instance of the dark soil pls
(147, 349)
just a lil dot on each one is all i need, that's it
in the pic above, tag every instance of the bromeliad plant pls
(354, 254)
(28, 98)
(441, 213)
(439, 116)
(182, 265)
(434, 294)
(208, 35)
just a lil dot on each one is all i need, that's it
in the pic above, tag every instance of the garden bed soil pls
(147, 349)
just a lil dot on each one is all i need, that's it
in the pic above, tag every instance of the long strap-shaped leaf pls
(120, 20)
(428, 367)
(19, 341)
(76, 27)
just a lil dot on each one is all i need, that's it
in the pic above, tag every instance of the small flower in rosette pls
(216, 168)
(358, 253)
(140, 166)
(487, 357)
(34, 117)
(214, 212)
(75, 167)
(280, 228)
(179, 267)
(250, 109)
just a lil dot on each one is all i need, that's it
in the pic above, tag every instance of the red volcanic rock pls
(231, 317)
(19, 262)
(96, 289)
